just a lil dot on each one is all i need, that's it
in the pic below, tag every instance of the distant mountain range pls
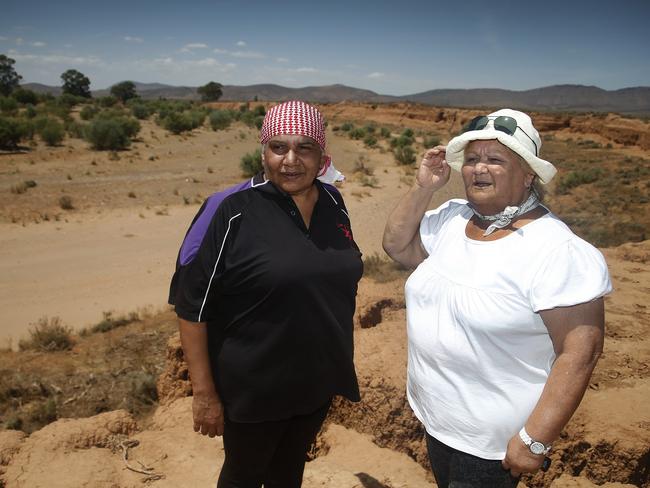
(578, 98)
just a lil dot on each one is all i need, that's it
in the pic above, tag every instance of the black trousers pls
(456, 469)
(272, 454)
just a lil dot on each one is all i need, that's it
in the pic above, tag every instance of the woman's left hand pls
(519, 459)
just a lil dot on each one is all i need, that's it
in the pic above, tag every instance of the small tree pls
(9, 79)
(76, 83)
(210, 92)
(124, 91)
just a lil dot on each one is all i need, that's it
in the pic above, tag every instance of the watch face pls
(537, 448)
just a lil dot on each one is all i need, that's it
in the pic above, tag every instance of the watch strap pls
(529, 441)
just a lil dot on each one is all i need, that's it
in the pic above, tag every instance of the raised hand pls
(434, 171)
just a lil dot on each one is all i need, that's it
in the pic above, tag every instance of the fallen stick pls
(149, 472)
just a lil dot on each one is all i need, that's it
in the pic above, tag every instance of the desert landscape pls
(88, 241)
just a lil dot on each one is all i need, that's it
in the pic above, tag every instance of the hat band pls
(502, 123)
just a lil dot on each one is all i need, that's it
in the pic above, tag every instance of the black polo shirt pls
(278, 298)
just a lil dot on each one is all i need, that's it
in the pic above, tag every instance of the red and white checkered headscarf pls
(296, 118)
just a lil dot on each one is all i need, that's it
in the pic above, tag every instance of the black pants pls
(456, 469)
(269, 453)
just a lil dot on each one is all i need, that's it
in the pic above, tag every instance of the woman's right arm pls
(401, 235)
(207, 408)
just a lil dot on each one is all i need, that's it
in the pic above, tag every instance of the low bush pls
(220, 119)
(370, 140)
(52, 132)
(251, 163)
(48, 335)
(14, 130)
(109, 322)
(576, 178)
(431, 141)
(384, 132)
(141, 111)
(107, 102)
(347, 127)
(176, 122)
(106, 133)
(401, 141)
(24, 96)
(404, 155)
(382, 269)
(65, 202)
(8, 105)
(88, 112)
(357, 133)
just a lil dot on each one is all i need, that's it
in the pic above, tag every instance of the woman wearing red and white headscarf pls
(265, 288)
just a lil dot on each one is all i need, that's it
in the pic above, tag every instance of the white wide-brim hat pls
(525, 141)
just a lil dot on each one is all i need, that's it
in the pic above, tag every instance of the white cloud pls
(195, 45)
(3, 38)
(247, 55)
(38, 44)
(376, 74)
(282, 60)
(241, 43)
(133, 39)
(305, 70)
(19, 41)
(67, 45)
(169, 64)
(219, 51)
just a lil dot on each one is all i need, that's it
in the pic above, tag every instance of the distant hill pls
(576, 98)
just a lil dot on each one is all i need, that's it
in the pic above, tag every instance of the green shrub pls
(141, 110)
(382, 269)
(404, 155)
(75, 129)
(574, 179)
(24, 96)
(401, 141)
(384, 132)
(357, 133)
(251, 119)
(48, 335)
(259, 110)
(14, 130)
(88, 112)
(108, 101)
(111, 133)
(251, 163)
(177, 122)
(8, 105)
(52, 132)
(220, 119)
(370, 140)
(408, 133)
(109, 322)
(30, 111)
(347, 127)
(431, 141)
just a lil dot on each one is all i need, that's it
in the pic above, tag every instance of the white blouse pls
(479, 352)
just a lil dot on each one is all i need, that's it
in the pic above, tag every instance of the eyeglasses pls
(502, 123)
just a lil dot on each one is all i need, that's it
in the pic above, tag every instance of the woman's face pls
(494, 176)
(292, 162)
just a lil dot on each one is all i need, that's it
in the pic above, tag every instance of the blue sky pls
(395, 48)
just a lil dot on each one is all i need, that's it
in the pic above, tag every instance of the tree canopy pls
(210, 92)
(124, 91)
(76, 83)
(9, 79)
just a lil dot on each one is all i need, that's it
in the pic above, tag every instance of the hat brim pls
(456, 148)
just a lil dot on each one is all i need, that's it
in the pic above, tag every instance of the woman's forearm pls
(564, 389)
(401, 235)
(194, 339)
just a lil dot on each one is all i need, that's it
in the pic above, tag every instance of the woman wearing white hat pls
(504, 309)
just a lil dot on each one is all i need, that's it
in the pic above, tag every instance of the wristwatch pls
(534, 446)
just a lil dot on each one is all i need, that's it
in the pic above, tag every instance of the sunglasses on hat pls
(503, 123)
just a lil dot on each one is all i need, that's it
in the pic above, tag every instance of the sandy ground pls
(117, 254)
